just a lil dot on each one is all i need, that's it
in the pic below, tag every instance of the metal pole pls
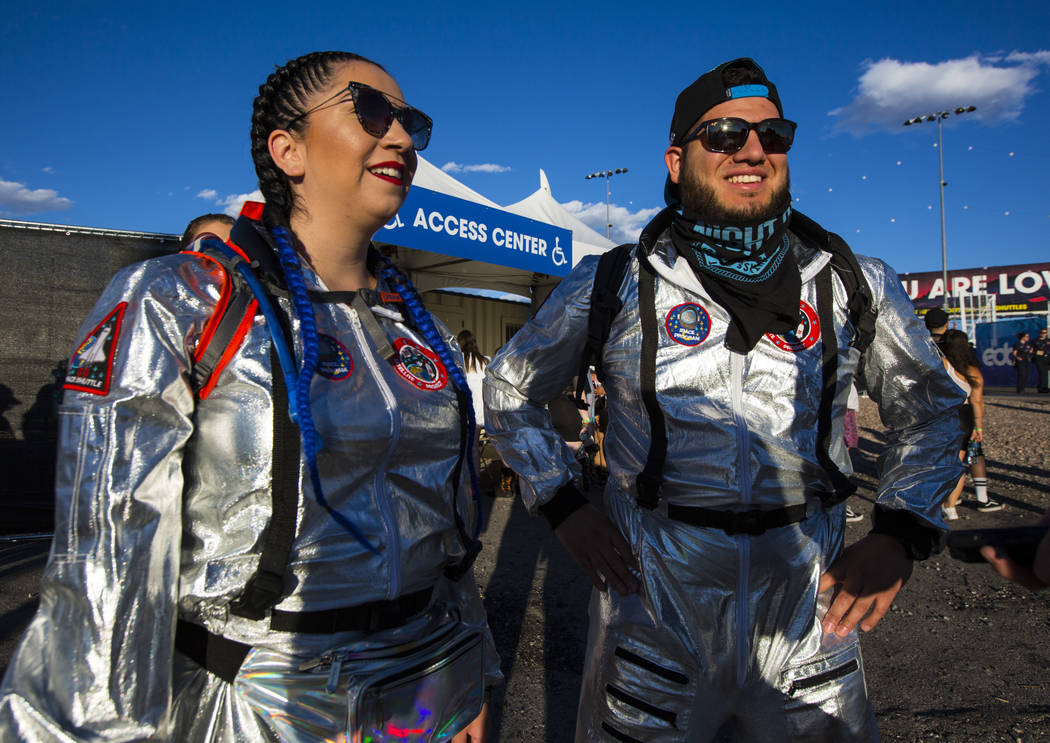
(608, 224)
(944, 240)
(607, 174)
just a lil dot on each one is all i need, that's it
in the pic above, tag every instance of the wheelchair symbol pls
(557, 254)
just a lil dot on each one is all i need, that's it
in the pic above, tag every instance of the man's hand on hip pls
(599, 549)
(868, 576)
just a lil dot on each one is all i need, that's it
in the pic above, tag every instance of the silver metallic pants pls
(725, 636)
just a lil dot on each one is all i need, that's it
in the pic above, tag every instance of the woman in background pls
(957, 350)
(474, 362)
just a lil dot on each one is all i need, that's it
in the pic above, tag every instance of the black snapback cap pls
(935, 318)
(723, 83)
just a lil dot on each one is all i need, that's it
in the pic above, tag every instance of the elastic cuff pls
(920, 540)
(565, 502)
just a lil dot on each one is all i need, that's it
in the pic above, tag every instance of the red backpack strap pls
(229, 323)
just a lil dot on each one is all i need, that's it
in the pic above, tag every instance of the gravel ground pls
(962, 656)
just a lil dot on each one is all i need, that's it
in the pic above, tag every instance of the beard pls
(701, 199)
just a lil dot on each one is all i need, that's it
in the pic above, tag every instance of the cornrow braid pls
(308, 334)
(401, 284)
(282, 98)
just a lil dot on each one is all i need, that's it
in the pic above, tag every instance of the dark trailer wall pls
(52, 276)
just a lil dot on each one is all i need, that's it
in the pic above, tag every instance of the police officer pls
(1022, 358)
(1041, 358)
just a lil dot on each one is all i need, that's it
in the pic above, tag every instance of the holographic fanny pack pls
(429, 695)
(420, 687)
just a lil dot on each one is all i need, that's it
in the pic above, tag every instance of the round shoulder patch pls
(688, 324)
(806, 334)
(334, 362)
(419, 366)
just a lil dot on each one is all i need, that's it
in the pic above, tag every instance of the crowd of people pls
(1027, 352)
(267, 494)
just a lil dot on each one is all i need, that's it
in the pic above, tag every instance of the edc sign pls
(994, 341)
(443, 224)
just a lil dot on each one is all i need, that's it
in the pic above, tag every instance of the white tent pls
(430, 270)
(543, 206)
(430, 176)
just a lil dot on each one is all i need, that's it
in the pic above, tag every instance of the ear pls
(286, 151)
(673, 160)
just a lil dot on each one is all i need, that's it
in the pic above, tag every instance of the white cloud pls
(48, 169)
(208, 193)
(234, 202)
(454, 167)
(16, 200)
(1040, 57)
(890, 91)
(626, 225)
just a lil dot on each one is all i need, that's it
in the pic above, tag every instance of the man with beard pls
(725, 598)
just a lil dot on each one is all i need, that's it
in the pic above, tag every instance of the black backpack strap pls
(265, 588)
(862, 314)
(257, 278)
(221, 656)
(471, 546)
(844, 486)
(651, 476)
(860, 303)
(605, 305)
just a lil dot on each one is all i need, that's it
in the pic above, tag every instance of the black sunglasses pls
(376, 114)
(729, 135)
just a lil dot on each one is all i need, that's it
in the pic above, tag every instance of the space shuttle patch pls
(92, 363)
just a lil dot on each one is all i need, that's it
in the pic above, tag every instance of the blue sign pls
(994, 342)
(443, 224)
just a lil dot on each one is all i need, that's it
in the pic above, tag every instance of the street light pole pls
(606, 174)
(939, 117)
(944, 231)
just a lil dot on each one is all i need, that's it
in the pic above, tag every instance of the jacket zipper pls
(743, 644)
(381, 494)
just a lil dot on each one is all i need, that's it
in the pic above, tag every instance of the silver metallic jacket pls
(741, 428)
(162, 498)
(726, 627)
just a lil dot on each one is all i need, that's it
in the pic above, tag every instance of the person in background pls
(957, 350)
(1041, 359)
(852, 439)
(167, 611)
(207, 224)
(936, 321)
(475, 362)
(1022, 358)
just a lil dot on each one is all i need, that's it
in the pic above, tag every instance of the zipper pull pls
(333, 676)
(388, 313)
(318, 662)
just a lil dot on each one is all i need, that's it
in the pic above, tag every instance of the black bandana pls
(747, 268)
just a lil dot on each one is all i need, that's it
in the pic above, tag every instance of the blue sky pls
(135, 116)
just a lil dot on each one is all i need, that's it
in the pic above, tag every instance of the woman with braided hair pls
(266, 526)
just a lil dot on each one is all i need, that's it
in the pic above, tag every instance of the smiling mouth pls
(389, 172)
(745, 179)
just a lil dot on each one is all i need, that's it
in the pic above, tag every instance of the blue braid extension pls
(302, 414)
(423, 321)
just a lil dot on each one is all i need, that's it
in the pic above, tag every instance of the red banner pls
(1023, 288)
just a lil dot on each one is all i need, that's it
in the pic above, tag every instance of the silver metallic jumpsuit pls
(162, 499)
(726, 627)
